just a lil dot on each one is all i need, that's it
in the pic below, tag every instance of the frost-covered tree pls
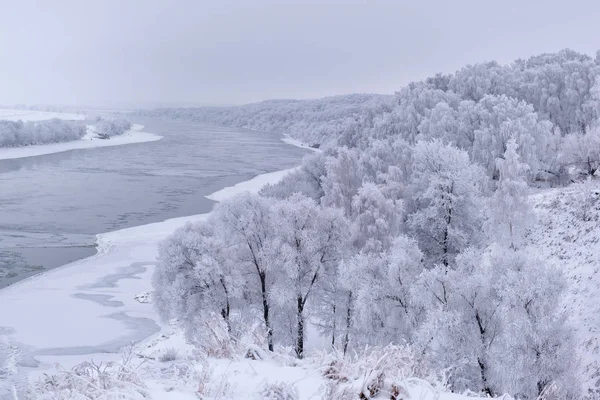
(343, 178)
(196, 276)
(307, 180)
(447, 190)
(415, 102)
(377, 219)
(247, 221)
(582, 151)
(474, 82)
(463, 321)
(560, 87)
(442, 123)
(387, 159)
(494, 323)
(536, 349)
(382, 310)
(510, 213)
(311, 244)
(502, 119)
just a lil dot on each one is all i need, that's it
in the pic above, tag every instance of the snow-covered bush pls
(586, 199)
(278, 391)
(210, 335)
(169, 354)
(87, 381)
(335, 391)
(106, 128)
(13, 382)
(375, 371)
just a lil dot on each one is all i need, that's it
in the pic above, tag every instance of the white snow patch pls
(89, 141)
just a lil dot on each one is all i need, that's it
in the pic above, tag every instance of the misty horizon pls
(148, 54)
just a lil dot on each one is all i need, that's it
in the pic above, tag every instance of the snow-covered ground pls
(87, 309)
(89, 141)
(568, 236)
(34, 115)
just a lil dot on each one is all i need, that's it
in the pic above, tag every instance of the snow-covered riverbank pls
(134, 135)
(87, 310)
(98, 293)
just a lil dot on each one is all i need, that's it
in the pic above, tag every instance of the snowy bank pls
(88, 310)
(98, 293)
(253, 185)
(89, 141)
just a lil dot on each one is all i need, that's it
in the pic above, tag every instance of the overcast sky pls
(124, 52)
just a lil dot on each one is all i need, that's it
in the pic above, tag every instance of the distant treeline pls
(20, 133)
(27, 133)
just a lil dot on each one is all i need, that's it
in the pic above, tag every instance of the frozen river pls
(52, 206)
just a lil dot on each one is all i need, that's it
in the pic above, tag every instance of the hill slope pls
(568, 236)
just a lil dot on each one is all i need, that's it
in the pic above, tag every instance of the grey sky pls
(109, 52)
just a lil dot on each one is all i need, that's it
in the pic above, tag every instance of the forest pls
(410, 228)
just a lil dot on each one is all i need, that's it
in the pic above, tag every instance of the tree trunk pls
(300, 330)
(265, 300)
(333, 328)
(486, 388)
(225, 311)
(445, 240)
(482, 367)
(446, 233)
(348, 323)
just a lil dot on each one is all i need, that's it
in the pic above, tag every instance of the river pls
(52, 206)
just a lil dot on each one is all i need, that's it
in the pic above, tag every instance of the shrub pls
(92, 381)
(168, 355)
(278, 391)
